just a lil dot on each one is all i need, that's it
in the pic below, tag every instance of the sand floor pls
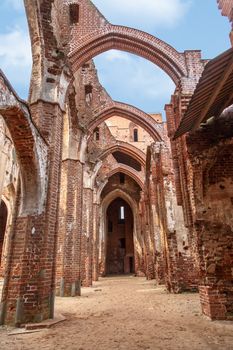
(127, 313)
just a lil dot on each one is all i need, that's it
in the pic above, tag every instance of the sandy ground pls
(127, 313)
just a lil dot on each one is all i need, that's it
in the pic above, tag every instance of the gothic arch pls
(146, 121)
(129, 40)
(103, 224)
(127, 170)
(126, 148)
(30, 148)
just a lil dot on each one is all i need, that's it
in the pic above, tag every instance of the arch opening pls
(119, 238)
(133, 41)
(131, 113)
(126, 159)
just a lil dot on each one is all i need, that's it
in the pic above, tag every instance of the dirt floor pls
(126, 313)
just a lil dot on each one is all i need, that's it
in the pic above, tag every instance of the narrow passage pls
(127, 313)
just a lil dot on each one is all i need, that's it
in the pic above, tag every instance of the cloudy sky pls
(185, 24)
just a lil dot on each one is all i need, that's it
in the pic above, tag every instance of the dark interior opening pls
(135, 135)
(96, 134)
(127, 160)
(122, 178)
(74, 13)
(120, 245)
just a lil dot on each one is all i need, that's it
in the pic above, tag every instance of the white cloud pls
(144, 13)
(15, 48)
(114, 55)
(15, 56)
(134, 80)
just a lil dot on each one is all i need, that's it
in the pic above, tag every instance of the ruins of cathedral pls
(92, 187)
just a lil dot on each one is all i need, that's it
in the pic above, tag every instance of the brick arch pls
(127, 170)
(144, 120)
(122, 168)
(130, 40)
(127, 149)
(30, 148)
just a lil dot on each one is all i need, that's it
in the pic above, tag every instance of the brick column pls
(29, 288)
(87, 238)
(69, 235)
(159, 259)
(149, 253)
(95, 267)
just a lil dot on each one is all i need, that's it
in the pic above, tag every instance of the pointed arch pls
(130, 40)
(123, 110)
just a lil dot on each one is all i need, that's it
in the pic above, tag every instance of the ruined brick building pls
(92, 186)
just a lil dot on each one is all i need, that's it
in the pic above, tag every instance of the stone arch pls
(129, 40)
(146, 121)
(30, 148)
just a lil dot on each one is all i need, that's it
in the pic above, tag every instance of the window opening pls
(96, 134)
(88, 94)
(122, 213)
(135, 135)
(74, 13)
(122, 178)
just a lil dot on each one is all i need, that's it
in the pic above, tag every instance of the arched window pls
(135, 135)
(96, 134)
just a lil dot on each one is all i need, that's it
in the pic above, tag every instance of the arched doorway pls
(120, 245)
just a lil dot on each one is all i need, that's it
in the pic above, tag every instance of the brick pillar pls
(29, 288)
(87, 237)
(102, 243)
(149, 246)
(95, 267)
(69, 234)
(159, 259)
(138, 245)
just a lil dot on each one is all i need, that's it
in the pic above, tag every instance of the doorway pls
(120, 245)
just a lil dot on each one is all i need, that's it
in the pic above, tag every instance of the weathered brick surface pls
(211, 159)
(70, 229)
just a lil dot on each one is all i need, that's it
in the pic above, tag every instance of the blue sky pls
(185, 24)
